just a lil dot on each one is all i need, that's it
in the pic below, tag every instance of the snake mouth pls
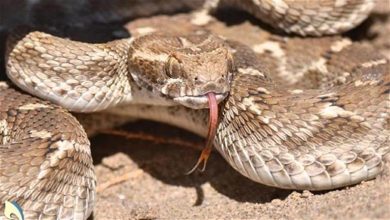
(199, 102)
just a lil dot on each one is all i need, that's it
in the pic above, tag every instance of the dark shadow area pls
(199, 196)
(233, 16)
(3, 35)
(170, 163)
(363, 31)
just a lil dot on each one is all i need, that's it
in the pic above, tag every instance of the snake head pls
(183, 68)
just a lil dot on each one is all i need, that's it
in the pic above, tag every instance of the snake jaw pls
(213, 122)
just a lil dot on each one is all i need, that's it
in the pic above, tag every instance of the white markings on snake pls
(3, 85)
(330, 111)
(40, 134)
(250, 71)
(33, 106)
(374, 63)
(340, 45)
(4, 131)
(145, 30)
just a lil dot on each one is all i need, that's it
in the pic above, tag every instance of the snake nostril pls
(198, 80)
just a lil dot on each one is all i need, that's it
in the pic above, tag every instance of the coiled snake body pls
(332, 135)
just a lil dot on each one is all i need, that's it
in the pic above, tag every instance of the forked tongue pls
(213, 120)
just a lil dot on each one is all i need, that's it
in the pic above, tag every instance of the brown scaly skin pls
(312, 139)
(46, 164)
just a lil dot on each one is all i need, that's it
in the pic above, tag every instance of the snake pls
(321, 137)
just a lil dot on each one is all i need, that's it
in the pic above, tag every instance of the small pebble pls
(306, 194)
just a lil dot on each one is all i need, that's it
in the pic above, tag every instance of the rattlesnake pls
(332, 135)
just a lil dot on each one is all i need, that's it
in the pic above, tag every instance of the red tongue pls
(213, 120)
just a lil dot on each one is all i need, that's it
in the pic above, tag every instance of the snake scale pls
(272, 128)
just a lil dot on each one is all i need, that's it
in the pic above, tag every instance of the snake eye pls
(173, 67)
